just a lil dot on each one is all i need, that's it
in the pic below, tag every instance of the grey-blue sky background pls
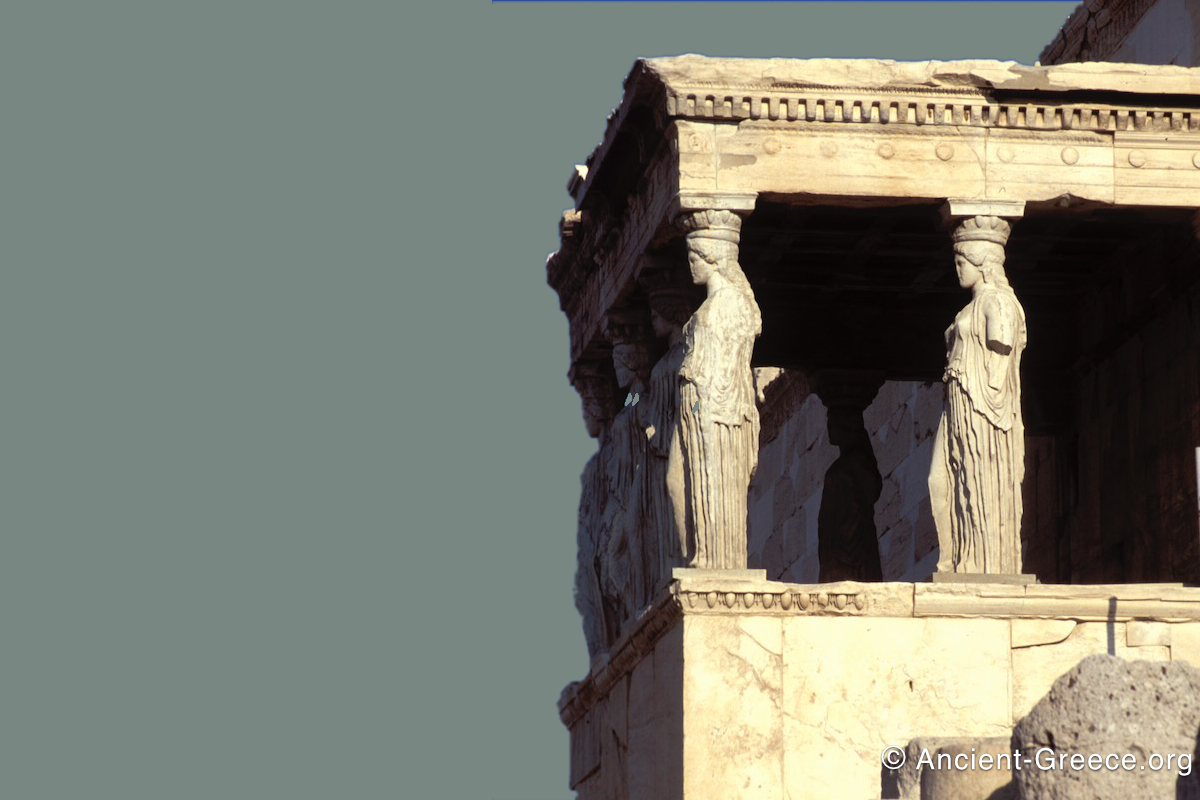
(289, 459)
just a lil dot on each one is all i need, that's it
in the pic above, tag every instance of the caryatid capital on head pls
(713, 233)
(712, 223)
(672, 295)
(974, 223)
(982, 229)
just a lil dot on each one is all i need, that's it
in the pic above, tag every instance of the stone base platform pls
(970, 577)
(733, 686)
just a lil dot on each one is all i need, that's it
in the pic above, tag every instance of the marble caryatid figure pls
(664, 509)
(979, 452)
(718, 417)
(622, 563)
(596, 390)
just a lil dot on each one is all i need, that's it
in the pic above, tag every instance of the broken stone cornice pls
(979, 75)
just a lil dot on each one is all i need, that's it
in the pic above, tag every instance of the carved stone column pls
(848, 545)
(594, 382)
(628, 331)
(623, 567)
(979, 452)
(673, 299)
(718, 424)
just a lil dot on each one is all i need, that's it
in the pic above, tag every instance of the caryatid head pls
(629, 332)
(595, 386)
(672, 299)
(979, 251)
(712, 243)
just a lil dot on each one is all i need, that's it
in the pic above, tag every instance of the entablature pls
(693, 132)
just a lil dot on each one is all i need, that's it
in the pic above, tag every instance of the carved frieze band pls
(788, 602)
(969, 110)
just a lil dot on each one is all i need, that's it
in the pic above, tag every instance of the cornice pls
(928, 108)
(904, 92)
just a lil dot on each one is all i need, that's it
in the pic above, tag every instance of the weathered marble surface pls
(664, 503)
(677, 458)
(764, 689)
(864, 129)
(719, 416)
(870, 73)
(596, 393)
(979, 451)
(925, 777)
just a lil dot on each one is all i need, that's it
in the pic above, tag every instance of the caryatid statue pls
(623, 567)
(979, 452)
(718, 416)
(595, 386)
(664, 501)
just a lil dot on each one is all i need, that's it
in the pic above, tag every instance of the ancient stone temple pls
(894, 373)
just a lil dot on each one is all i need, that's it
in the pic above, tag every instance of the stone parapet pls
(733, 686)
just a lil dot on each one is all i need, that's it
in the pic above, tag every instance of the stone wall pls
(1141, 31)
(785, 494)
(902, 421)
(628, 743)
(734, 686)
(1131, 506)
(1169, 33)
